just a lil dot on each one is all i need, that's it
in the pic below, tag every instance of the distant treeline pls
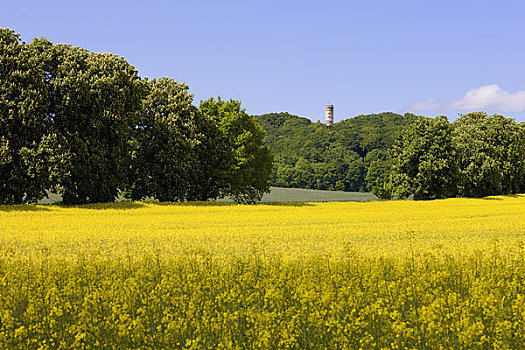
(85, 125)
(352, 155)
(397, 156)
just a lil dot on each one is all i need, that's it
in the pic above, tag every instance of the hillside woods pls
(352, 155)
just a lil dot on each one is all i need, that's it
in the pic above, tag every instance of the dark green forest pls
(352, 155)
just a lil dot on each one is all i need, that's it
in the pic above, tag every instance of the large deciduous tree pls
(25, 141)
(245, 164)
(174, 150)
(424, 160)
(491, 155)
(94, 99)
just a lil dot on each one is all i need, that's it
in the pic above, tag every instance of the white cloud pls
(491, 97)
(425, 105)
(485, 98)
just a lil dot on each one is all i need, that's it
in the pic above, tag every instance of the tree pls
(175, 153)
(245, 163)
(304, 174)
(94, 99)
(379, 167)
(491, 155)
(25, 153)
(424, 163)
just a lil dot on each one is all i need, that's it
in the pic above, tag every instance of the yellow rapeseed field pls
(379, 275)
(391, 228)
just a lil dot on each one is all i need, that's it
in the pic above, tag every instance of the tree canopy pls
(424, 160)
(166, 144)
(475, 156)
(245, 164)
(398, 156)
(491, 155)
(93, 99)
(24, 144)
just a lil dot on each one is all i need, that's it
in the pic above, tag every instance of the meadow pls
(295, 195)
(375, 275)
(279, 195)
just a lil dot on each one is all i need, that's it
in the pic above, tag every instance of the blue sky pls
(426, 57)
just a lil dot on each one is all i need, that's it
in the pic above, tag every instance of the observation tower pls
(329, 115)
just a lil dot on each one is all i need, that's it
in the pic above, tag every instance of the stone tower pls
(329, 115)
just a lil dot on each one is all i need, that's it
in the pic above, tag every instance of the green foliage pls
(424, 160)
(245, 163)
(25, 171)
(379, 168)
(184, 153)
(174, 147)
(491, 155)
(93, 102)
(476, 156)
(311, 155)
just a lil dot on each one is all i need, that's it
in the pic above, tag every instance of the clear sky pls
(426, 57)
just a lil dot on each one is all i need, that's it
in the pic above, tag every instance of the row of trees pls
(85, 125)
(475, 156)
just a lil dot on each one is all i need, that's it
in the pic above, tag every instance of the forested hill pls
(351, 155)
